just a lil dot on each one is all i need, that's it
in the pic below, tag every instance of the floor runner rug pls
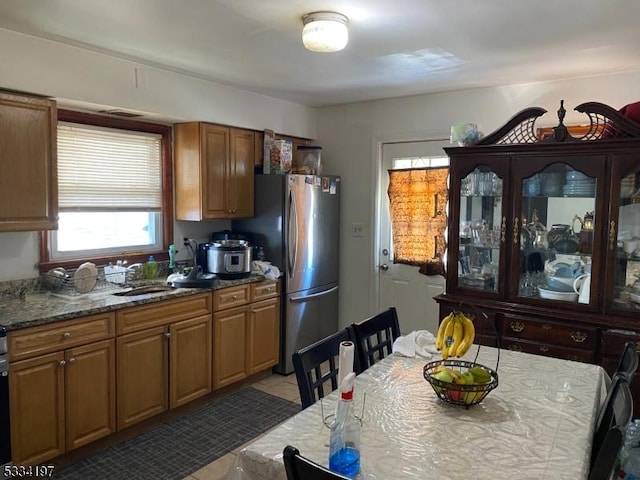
(184, 445)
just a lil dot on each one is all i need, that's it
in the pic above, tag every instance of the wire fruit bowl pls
(455, 393)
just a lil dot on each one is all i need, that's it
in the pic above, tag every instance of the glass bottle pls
(344, 442)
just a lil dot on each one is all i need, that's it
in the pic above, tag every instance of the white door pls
(399, 285)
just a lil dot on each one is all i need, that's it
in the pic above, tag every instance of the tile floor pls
(281, 386)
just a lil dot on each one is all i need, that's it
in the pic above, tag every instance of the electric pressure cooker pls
(229, 259)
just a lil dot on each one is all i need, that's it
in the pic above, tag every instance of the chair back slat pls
(628, 363)
(301, 468)
(375, 336)
(611, 428)
(316, 367)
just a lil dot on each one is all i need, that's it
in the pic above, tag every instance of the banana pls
(469, 335)
(447, 343)
(458, 333)
(443, 326)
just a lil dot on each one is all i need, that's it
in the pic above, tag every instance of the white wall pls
(350, 134)
(80, 77)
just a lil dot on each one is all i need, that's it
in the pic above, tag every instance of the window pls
(114, 195)
(418, 197)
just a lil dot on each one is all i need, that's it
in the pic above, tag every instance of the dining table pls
(538, 423)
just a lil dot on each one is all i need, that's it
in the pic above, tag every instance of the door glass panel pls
(556, 234)
(480, 229)
(627, 267)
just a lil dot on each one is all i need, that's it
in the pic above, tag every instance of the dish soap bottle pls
(344, 442)
(150, 268)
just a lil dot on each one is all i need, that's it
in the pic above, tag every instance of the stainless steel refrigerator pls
(297, 221)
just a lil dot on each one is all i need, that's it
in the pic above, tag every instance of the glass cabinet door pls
(626, 277)
(481, 230)
(556, 231)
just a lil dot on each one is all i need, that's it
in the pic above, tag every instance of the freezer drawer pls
(310, 316)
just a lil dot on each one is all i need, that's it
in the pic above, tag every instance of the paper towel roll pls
(345, 360)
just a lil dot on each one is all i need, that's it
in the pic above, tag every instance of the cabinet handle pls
(234, 297)
(503, 230)
(62, 363)
(268, 290)
(578, 337)
(66, 335)
(514, 348)
(546, 326)
(612, 235)
(516, 326)
(167, 334)
(516, 230)
(572, 357)
(72, 360)
(544, 348)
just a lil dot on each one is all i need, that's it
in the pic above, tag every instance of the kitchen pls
(350, 133)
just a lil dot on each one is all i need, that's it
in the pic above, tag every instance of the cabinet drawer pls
(264, 289)
(231, 297)
(547, 350)
(549, 332)
(60, 335)
(167, 311)
(612, 343)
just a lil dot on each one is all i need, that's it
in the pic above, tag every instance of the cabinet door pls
(553, 196)
(623, 238)
(142, 375)
(478, 226)
(190, 360)
(215, 170)
(229, 347)
(90, 393)
(241, 171)
(29, 196)
(263, 343)
(36, 397)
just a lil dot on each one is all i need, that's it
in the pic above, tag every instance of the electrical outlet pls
(357, 229)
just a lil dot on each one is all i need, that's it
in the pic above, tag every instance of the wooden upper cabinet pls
(214, 167)
(29, 182)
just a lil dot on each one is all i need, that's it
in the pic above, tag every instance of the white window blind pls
(103, 169)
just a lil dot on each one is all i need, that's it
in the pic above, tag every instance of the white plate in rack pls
(85, 278)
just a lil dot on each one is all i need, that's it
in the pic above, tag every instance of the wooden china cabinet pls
(532, 217)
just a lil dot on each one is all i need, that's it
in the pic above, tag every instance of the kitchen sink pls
(141, 290)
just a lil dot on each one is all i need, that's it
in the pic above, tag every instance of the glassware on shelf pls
(541, 241)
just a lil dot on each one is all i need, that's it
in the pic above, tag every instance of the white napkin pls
(421, 343)
(265, 268)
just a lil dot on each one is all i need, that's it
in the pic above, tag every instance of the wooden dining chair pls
(316, 366)
(628, 363)
(611, 428)
(301, 468)
(375, 337)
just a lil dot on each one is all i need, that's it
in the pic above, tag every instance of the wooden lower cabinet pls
(61, 401)
(190, 364)
(246, 338)
(230, 346)
(162, 368)
(142, 375)
(263, 336)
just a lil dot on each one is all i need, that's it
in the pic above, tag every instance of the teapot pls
(584, 288)
(562, 238)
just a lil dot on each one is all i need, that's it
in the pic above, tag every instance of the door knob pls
(384, 267)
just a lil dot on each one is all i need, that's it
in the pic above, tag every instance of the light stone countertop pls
(43, 307)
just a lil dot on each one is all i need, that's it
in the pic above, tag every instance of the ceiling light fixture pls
(325, 31)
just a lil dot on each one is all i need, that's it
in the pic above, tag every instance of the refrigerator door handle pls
(313, 295)
(292, 235)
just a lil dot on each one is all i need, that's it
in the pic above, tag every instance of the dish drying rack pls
(108, 278)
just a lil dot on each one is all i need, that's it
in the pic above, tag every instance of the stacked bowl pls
(552, 183)
(579, 185)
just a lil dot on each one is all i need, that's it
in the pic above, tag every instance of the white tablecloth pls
(537, 424)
